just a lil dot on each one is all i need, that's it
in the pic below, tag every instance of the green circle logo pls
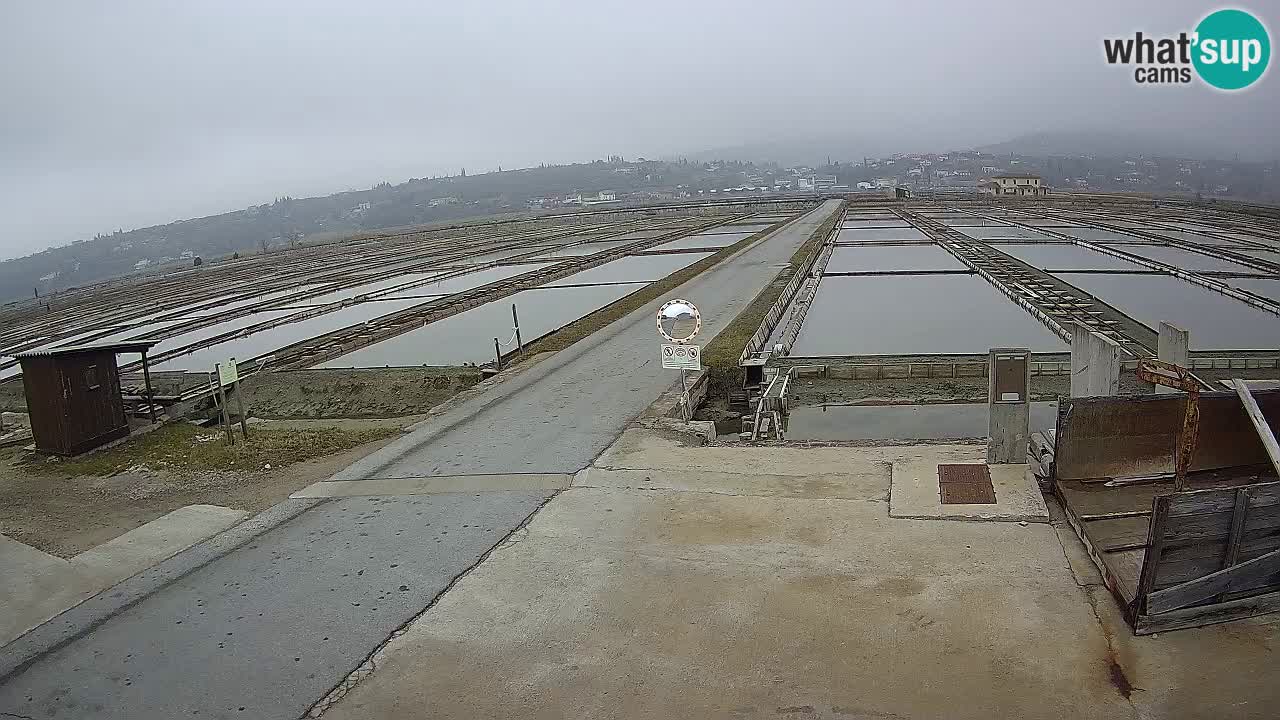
(1232, 49)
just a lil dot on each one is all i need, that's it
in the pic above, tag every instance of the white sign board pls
(681, 357)
(227, 374)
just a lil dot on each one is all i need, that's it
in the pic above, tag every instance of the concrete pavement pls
(770, 582)
(268, 628)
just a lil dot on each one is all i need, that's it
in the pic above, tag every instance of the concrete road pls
(558, 416)
(267, 629)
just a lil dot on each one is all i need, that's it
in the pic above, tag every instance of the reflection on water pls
(907, 314)
(902, 422)
(1216, 322)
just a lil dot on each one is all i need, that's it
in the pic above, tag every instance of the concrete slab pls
(914, 494)
(736, 597)
(438, 484)
(157, 540)
(646, 604)
(42, 586)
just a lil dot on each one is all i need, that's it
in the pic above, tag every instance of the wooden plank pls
(1119, 533)
(1124, 566)
(1195, 502)
(1237, 528)
(1188, 593)
(1259, 422)
(1155, 546)
(1207, 614)
(1252, 544)
(1217, 525)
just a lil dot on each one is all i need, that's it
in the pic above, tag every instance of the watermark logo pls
(1229, 50)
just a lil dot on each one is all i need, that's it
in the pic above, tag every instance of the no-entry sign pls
(681, 357)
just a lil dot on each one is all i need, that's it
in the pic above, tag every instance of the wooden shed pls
(73, 395)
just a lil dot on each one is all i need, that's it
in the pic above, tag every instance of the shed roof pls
(120, 347)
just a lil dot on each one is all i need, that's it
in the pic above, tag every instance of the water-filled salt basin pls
(1266, 287)
(708, 240)
(1100, 235)
(860, 234)
(356, 290)
(584, 249)
(1215, 321)
(1186, 259)
(910, 314)
(1063, 256)
(889, 258)
(468, 281)
(1002, 231)
(903, 422)
(272, 339)
(468, 336)
(632, 269)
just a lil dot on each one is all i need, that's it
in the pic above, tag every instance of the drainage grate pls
(966, 484)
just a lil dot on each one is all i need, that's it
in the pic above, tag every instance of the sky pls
(129, 114)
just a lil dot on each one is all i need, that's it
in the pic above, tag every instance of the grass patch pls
(720, 357)
(585, 326)
(185, 447)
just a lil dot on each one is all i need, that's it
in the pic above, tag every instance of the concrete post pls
(1009, 402)
(1081, 339)
(1095, 364)
(1173, 347)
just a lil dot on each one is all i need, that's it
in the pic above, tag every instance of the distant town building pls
(823, 182)
(1013, 185)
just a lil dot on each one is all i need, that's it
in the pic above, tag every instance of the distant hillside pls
(289, 220)
(1125, 144)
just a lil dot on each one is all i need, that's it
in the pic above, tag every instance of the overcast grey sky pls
(126, 114)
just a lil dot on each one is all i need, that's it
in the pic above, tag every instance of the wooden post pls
(222, 398)
(1259, 422)
(146, 380)
(516, 319)
(497, 354)
(244, 420)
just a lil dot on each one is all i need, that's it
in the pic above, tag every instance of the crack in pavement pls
(369, 665)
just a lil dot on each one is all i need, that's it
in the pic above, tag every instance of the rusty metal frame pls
(1167, 374)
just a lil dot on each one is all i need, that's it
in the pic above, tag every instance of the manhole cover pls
(966, 484)
(964, 473)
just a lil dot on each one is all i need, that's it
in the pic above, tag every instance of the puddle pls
(909, 314)
(903, 422)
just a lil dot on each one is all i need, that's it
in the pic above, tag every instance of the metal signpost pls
(679, 322)
(228, 376)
